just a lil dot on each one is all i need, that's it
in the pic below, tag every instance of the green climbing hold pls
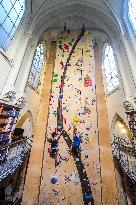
(55, 80)
(62, 55)
(60, 42)
(70, 43)
(55, 75)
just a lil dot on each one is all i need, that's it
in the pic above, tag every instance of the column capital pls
(14, 98)
(130, 104)
(8, 94)
(20, 99)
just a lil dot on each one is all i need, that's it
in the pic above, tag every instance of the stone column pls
(9, 86)
(126, 67)
(107, 172)
(22, 77)
(130, 52)
(32, 182)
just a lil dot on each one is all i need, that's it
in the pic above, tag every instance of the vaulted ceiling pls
(102, 15)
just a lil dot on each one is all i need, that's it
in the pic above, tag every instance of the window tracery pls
(110, 69)
(11, 13)
(37, 63)
(132, 13)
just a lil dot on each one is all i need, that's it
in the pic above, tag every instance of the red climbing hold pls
(61, 63)
(66, 47)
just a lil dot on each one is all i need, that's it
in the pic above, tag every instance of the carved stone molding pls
(135, 100)
(28, 33)
(10, 95)
(21, 101)
(14, 98)
(129, 106)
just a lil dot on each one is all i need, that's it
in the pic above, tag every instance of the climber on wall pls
(75, 148)
(54, 150)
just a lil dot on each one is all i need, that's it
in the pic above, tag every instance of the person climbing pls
(54, 151)
(76, 143)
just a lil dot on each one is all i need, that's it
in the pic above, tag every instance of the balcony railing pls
(125, 153)
(16, 152)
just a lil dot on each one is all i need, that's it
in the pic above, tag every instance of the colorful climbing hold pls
(54, 179)
(54, 80)
(89, 140)
(86, 33)
(75, 119)
(61, 96)
(70, 43)
(60, 41)
(55, 75)
(88, 196)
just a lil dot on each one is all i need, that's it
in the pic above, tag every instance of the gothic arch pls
(116, 119)
(103, 17)
(26, 118)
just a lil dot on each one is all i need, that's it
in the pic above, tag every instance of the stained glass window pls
(110, 69)
(35, 73)
(11, 12)
(132, 13)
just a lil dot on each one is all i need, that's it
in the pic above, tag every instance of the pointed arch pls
(118, 119)
(26, 122)
(24, 118)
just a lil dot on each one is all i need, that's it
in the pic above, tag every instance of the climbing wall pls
(63, 184)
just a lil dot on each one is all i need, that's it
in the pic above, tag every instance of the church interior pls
(67, 102)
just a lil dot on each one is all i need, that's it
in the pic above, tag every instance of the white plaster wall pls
(114, 102)
(5, 68)
(24, 69)
(32, 104)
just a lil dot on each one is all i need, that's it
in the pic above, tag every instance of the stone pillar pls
(130, 52)
(126, 68)
(32, 182)
(21, 81)
(107, 172)
(9, 86)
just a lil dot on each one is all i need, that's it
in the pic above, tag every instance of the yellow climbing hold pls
(91, 43)
(86, 33)
(86, 47)
(75, 119)
(89, 140)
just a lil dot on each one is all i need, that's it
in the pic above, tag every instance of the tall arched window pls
(11, 12)
(37, 64)
(132, 13)
(110, 69)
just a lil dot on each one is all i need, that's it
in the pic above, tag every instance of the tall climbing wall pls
(64, 184)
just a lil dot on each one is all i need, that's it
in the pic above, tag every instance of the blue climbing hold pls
(88, 196)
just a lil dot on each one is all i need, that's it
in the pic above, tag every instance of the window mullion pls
(110, 69)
